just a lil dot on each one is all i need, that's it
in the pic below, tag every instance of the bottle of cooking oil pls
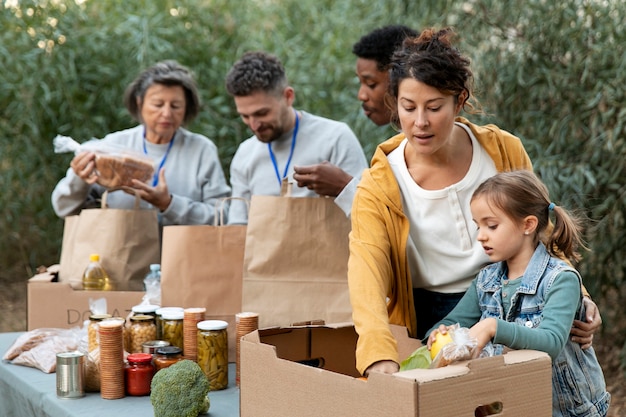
(95, 277)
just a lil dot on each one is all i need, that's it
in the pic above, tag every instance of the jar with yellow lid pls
(142, 329)
(172, 322)
(213, 352)
(92, 330)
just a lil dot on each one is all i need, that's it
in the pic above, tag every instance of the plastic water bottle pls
(95, 277)
(153, 278)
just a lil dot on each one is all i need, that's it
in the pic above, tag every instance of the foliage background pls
(551, 72)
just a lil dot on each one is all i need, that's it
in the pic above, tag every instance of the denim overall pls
(578, 387)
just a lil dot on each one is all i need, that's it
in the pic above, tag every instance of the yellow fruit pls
(440, 341)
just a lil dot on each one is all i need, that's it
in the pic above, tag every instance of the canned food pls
(152, 346)
(173, 327)
(142, 329)
(70, 375)
(213, 352)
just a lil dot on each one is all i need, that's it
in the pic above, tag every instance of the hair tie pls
(551, 206)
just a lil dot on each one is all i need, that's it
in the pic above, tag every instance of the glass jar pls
(173, 327)
(142, 329)
(92, 330)
(145, 309)
(139, 372)
(159, 319)
(167, 356)
(213, 352)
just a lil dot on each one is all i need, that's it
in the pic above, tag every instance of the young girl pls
(529, 297)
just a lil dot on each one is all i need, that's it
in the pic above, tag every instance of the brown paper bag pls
(126, 240)
(201, 266)
(296, 261)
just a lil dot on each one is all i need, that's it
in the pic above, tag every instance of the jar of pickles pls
(172, 322)
(167, 356)
(138, 374)
(213, 352)
(92, 330)
(142, 329)
(159, 318)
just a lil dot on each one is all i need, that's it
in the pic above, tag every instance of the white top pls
(442, 233)
(318, 140)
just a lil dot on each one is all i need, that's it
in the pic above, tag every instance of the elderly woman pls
(189, 178)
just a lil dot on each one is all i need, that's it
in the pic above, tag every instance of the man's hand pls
(325, 178)
(582, 331)
(385, 367)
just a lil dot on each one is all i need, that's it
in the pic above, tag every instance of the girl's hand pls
(441, 329)
(158, 196)
(483, 331)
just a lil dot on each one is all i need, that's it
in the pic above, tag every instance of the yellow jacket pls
(378, 267)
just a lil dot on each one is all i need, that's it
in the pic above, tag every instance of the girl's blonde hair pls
(520, 194)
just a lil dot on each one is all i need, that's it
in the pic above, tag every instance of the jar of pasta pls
(142, 329)
(213, 352)
(167, 356)
(172, 322)
(92, 330)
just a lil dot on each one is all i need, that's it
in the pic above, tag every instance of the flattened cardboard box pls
(311, 371)
(57, 304)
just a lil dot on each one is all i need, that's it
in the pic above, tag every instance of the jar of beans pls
(213, 352)
(173, 327)
(142, 329)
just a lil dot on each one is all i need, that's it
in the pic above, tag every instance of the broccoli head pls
(180, 391)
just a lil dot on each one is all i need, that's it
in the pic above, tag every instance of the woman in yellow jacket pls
(412, 245)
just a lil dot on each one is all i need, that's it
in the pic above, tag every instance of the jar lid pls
(141, 317)
(169, 350)
(139, 358)
(145, 308)
(173, 315)
(99, 317)
(212, 325)
(162, 310)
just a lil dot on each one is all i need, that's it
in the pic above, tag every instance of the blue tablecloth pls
(29, 392)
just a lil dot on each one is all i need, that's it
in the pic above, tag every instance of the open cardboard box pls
(57, 304)
(310, 371)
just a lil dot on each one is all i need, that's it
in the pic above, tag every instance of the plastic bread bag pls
(116, 165)
(461, 348)
(38, 348)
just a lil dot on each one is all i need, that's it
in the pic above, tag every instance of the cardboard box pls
(310, 371)
(57, 304)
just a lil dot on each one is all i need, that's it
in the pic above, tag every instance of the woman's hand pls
(385, 367)
(582, 331)
(158, 196)
(84, 165)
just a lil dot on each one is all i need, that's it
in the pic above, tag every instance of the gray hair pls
(169, 73)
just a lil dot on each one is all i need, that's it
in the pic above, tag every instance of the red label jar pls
(139, 372)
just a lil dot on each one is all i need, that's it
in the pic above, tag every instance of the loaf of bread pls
(116, 170)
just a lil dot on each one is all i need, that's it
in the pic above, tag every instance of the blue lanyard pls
(293, 145)
(155, 179)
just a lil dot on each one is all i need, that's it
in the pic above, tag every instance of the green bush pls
(550, 72)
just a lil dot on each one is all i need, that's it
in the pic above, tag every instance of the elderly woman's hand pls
(158, 196)
(84, 165)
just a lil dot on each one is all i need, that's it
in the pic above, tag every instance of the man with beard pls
(285, 138)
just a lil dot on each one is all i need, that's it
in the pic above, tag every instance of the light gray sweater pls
(318, 140)
(193, 173)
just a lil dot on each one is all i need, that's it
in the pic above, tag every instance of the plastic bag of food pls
(38, 348)
(116, 165)
(461, 348)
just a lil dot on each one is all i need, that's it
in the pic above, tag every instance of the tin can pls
(70, 373)
(152, 346)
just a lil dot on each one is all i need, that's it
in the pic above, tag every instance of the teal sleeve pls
(467, 312)
(561, 303)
